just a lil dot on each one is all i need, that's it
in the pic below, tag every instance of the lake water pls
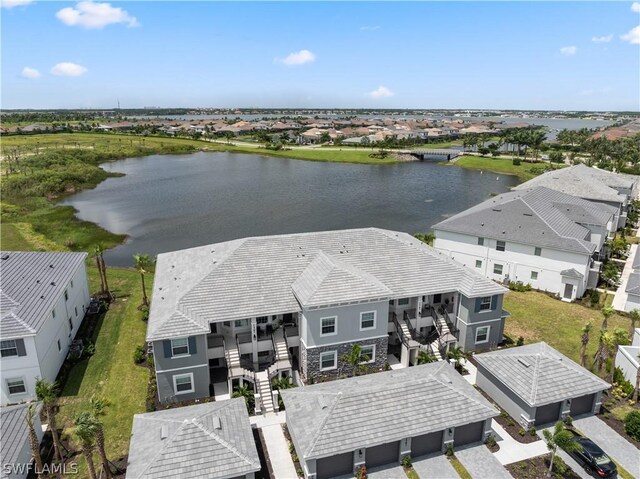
(171, 202)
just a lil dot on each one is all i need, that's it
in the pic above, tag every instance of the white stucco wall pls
(20, 367)
(627, 360)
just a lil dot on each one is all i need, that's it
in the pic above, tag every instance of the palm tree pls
(143, 264)
(355, 359)
(536, 139)
(247, 393)
(584, 341)
(85, 431)
(634, 316)
(98, 406)
(33, 439)
(601, 353)
(613, 339)
(425, 357)
(457, 354)
(47, 393)
(559, 438)
(98, 253)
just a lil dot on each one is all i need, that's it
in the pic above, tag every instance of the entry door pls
(568, 291)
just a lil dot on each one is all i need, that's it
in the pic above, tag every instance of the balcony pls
(245, 342)
(292, 336)
(215, 346)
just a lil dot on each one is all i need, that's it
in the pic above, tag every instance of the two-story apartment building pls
(43, 298)
(539, 236)
(222, 312)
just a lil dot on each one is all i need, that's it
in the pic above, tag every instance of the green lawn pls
(460, 469)
(538, 317)
(110, 372)
(497, 165)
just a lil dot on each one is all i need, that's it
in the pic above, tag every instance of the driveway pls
(434, 465)
(481, 464)
(616, 446)
(392, 471)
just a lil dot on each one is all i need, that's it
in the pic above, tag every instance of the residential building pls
(538, 385)
(628, 358)
(553, 241)
(212, 440)
(43, 298)
(632, 289)
(15, 448)
(374, 420)
(250, 309)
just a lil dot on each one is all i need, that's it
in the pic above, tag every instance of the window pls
(59, 347)
(537, 251)
(497, 269)
(179, 347)
(16, 386)
(482, 334)
(370, 352)
(328, 360)
(391, 302)
(485, 303)
(70, 325)
(368, 320)
(437, 298)
(241, 323)
(403, 301)
(534, 275)
(480, 241)
(328, 326)
(500, 245)
(8, 348)
(478, 263)
(262, 319)
(183, 383)
(66, 295)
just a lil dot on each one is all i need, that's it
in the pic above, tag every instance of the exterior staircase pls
(263, 386)
(280, 345)
(233, 357)
(432, 348)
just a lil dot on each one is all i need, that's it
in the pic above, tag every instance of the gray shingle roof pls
(636, 261)
(583, 182)
(261, 276)
(194, 446)
(30, 285)
(339, 416)
(14, 433)
(633, 283)
(537, 216)
(539, 374)
(571, 273)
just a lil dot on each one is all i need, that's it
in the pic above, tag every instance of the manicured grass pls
(436, 146)
(12, 240)
(497, 165)
(411, 473)
(538, 317)
(460, 469)
(111, 372)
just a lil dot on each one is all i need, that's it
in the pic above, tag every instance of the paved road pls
(481, 464)
(434, 465)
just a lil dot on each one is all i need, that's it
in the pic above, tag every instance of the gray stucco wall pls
(503, 396)
(470, 319)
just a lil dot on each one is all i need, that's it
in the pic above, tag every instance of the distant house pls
(43, 301)
(206, 441)
(538, 385)
(15, 448)
(372, 420)
(628, 358)
(538, 236)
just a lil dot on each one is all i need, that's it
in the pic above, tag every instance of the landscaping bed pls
(292, 451)
(537, 467)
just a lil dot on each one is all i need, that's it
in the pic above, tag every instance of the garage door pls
(334, 466)
(467, 434)
(582, 404)
(548, 413)
(383, 454)
(426, 444)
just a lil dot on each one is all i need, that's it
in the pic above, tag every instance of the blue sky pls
(520, 55)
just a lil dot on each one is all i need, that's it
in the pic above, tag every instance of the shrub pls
(568, 421)
(559, 466)
(520, 341)
(522, 432)
(362, 473)
(619, 379)
(145, 313)
(89, 350)
(449, 451)
(594, 297)
(532, 431)
(511, 422)
(406, 461)
(490, 441)
(138, 355)
(516, 162)
(632, 424)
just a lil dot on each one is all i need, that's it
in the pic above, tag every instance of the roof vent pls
(53, 283)
(5, 256)
(216, 422)
(527, 214)
(496, 209)
(164, 432)
(50, 266)
(523, 362)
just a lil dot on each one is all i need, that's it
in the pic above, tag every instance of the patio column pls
(254, 342)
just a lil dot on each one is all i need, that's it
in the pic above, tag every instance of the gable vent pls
(523, 362)
(164, 432)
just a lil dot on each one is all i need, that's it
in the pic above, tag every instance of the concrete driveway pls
(392, 471)
(434, 465)
(480, 463)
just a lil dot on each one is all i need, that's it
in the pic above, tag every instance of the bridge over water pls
(434, 154)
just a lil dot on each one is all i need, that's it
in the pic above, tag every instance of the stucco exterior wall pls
(505, 398)
(167, 367)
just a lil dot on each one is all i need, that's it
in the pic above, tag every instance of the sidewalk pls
(278, 451)
(620, 298)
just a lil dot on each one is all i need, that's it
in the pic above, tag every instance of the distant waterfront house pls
(205, 441)
(231, 312)
(15, 448)
(43, 298)
(628, 358)
(591, 184)
(538, 236)
(538, 385)
(373, 420)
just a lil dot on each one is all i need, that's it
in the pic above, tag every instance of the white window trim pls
(247, 324)
(375, 322)
(24, 383)
(488, 328)
(537, 275)
(372, 359)
(504, 246)
(175, 385)
(535, 249)
(480, 310)
(501, 269)
(15, 346)
(183, 355)
(335, 360)
(479, 266)
(335, 326)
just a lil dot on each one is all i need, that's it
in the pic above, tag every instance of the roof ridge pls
(536, 371)
(220, 440)
(21, 321)
(449, 385)
(324, 422)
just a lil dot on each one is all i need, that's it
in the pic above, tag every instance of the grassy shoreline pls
(496, 165)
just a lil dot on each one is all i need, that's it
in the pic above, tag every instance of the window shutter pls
(166, 344)
(20, 347)
(494, 302)
(192, 345)
(477, 306)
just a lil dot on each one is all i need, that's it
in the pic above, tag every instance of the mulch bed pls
(494, 448)
(510, 425)
(536, 468)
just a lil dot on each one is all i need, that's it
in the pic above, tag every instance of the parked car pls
(594, 460)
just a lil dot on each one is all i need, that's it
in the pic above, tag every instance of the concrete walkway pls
(481, 464)
(620, 298)
(616, 446)
(278, 452)
(394, 363)
(473, 371)
(269, 419)
(221, 391)
(513, 451)
(434, 465)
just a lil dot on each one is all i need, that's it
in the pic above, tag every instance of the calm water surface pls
(171, 202)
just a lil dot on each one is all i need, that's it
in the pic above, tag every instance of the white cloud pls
(28, 72)
(370, 28)
(14, 3)
(68, 69)
(89, 14)
(298, 58)
(635, 7)
(569, 51)
(632, 36)
(602, 39)
(381, 92)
